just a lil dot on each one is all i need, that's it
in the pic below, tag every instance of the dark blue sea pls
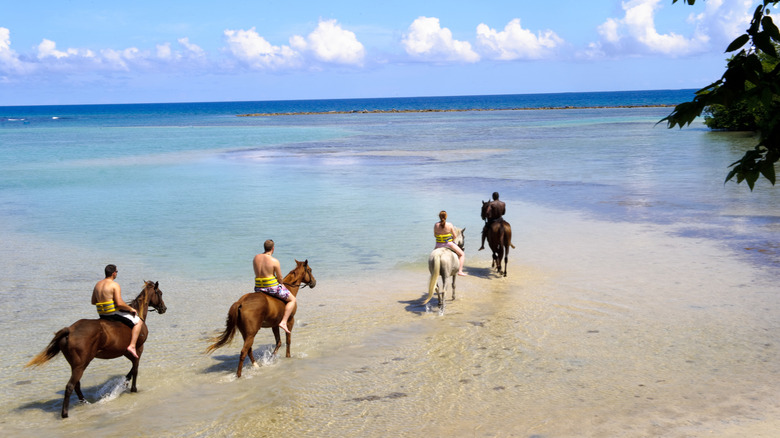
(199, 112)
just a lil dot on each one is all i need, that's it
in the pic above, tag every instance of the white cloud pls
(191, 50)
(48, 49)
(164, 51)
(427, 40)
(636, 33)
(330, 43)
(514, 42)
(249, 47)
(724, 20)
(9, 60)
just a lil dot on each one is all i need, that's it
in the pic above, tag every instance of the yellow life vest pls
(106, 308)
(443, 238)
(266, 282)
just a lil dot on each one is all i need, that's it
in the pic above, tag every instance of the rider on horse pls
(494, 212)
(107, 297)
(268, 280)
(444, 232)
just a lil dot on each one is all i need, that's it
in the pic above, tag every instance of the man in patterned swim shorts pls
(268, 280)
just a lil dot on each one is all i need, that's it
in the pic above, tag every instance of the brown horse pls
(87, 339)
(255, 310)
(499, 237)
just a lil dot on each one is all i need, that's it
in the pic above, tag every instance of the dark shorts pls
(118, 318)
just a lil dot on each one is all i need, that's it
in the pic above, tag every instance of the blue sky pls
(74, 52)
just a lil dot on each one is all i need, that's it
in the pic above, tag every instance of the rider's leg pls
(288, 310)
(484, 234)
(134, 338)
(461, 257)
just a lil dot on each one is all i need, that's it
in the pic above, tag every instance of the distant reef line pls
(454, 110)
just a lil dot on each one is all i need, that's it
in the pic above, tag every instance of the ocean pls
(641, 297)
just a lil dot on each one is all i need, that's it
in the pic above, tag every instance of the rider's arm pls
(278, 272)
(120, 304)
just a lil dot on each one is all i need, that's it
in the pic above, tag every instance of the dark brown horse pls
(499, 237)
(87, 339)
(255, 310)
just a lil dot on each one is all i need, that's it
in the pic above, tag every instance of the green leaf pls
(770, 28)
(737, 43)
(751, 177)
(768, 170)
(764, 43)
(730, 175)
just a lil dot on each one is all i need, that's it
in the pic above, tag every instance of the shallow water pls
(641, 298)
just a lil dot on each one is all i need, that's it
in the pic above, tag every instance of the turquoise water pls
(208, 186)
(639, 285)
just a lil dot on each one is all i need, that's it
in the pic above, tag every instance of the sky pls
(97, 52)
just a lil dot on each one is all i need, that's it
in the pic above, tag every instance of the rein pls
(136, 303)
(289, 283)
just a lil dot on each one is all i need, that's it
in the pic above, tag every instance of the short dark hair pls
(110, 269)
(268, 245)
(495, 195)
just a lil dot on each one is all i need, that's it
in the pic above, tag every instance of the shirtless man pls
(495, 212)
(268, 280)
(107, 296)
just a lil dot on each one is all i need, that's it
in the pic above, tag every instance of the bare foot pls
(283, 326)
(481, 248)
(131, 349)
(463, 274)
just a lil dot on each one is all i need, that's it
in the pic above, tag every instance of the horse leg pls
(288, 337)
(506, 258)
(79, 394)
(247, 348)
(453, 287)
(133, 374)
(440, 292)
(278, 338)
(75, 377)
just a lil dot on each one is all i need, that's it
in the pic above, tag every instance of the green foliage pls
(746, 82)
(737, 117)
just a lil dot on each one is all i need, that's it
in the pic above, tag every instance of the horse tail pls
(508, 233)
(51, 350)
(231, 322)
(434, 276)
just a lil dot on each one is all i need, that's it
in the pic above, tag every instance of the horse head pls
(307, 278)
(485, 205)
(155, 297)
(460, 238)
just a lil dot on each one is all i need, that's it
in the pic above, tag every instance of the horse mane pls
(294, 273)
(135, 301)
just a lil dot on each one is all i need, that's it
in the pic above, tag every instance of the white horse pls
(443, 262)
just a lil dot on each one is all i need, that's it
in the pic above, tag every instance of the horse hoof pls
(255, 365)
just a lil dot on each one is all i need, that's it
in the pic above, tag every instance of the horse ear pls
(156, 284)
(306, 262)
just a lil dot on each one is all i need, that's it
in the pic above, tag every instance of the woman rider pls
(444, 233)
